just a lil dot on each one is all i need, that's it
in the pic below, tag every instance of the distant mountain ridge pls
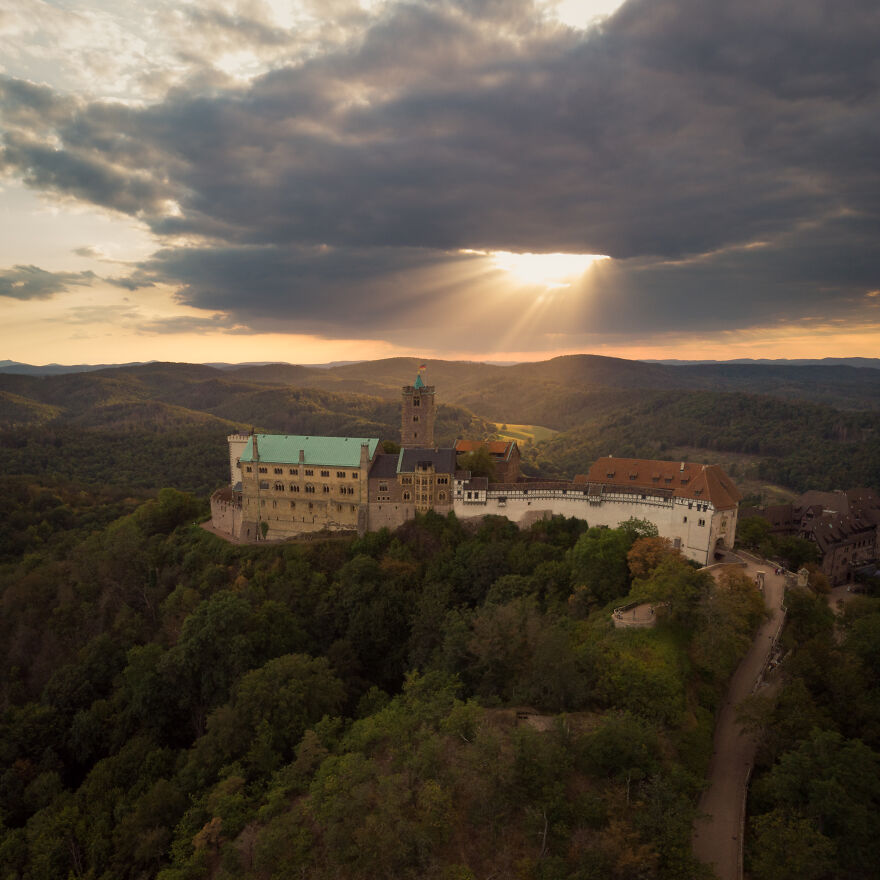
(873, 363)
(17, 367)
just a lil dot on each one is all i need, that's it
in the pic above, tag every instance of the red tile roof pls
(500, 448)
(702, 482)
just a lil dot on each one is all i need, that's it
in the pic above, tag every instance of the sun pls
(550, 271)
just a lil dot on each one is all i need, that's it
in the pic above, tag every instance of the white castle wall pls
(676, 518)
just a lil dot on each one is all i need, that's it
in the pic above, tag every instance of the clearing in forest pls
(524, 433)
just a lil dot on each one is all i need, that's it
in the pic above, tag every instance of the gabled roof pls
(332, 451)
(702, 482)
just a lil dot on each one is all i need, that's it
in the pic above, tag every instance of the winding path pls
(717, 834)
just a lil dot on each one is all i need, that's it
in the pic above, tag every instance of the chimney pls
(365, 456)
(256, 451)
(302, 456)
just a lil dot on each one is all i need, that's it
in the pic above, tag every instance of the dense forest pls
(814, 801)
(178, 707)
(449, 701)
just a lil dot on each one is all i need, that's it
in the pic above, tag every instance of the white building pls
(694, 505)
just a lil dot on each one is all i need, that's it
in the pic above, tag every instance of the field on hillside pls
(525, 433)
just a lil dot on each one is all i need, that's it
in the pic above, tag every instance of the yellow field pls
(524, 433)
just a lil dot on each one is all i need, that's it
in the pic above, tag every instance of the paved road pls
(717, 836)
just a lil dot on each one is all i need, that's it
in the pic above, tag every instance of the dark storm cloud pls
(679, 129)
(305, 290)
(31, 282)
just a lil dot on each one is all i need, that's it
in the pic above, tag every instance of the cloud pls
(724, 155)
(31, 282)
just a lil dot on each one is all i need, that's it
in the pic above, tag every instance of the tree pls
(752, 531)
(675, 584)
(788, 847)
(647, 553)
(599, 563)
(478, 462)
(638, 528)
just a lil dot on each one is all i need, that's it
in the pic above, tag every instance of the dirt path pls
(717, 836)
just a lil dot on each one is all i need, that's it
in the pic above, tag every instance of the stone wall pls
(675, 518)
(225, 513)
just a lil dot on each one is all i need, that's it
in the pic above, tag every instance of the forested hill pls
(797, 445)
(152, 425)
(158, 425)
(511, 393)
(176, 707)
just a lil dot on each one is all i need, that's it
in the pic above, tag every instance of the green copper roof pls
(333, 451)
(418, 383)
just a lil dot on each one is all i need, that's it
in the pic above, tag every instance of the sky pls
(318, 180)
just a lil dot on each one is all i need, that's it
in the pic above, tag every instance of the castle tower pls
(417, 414)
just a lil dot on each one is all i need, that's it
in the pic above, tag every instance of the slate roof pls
(702, 482)
(384, 467)
(443, 459)
(333, 451)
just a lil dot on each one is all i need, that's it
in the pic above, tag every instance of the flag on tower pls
(423, 367)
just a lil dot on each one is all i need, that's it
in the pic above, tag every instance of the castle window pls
(383, 487)
(310, 472)
(278, 470)
(326, 488)
(310, 505)
(264, 470)
(415, 418)
(406, 480)
(351, 490)
(294, 487)
(294, 472)
(417, 401)
(701, 522)
(325, 473)
(264, 484)
(685, 519)
(279, 487)
(353, 508)
(406, 496)
(354, 475)
(340, 475)
(293, 504)
(310, 488)
(249, 469)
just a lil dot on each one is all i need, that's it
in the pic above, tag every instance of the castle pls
(285, 485)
